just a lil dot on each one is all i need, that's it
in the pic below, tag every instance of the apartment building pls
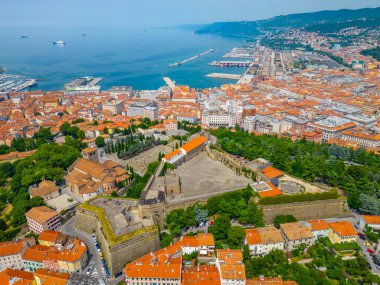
(159, 268)
(42, 218)
(144, 109)
(296, 234)
(201, 275)
(342, 232)
(219, 119)
(362, 139)
(371, 221)
(11, 253)
(115, 107)
(202, 243)
(46, 277)
(16, 277)
(231, 267)
(34, 257)
(262, 241)
(170, 125)
(319, 228)
(332, 127)
(56, 252)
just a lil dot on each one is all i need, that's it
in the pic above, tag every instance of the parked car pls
(89, 270)
(371, 251)
(362, 236)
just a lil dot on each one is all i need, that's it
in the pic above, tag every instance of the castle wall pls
(302, 211)
(118, 255)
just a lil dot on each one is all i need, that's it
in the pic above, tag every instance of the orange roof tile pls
(271, 172)
(172, 154)
(49, 236)
(194, 143)
(200, 275)
(41, 214)
(343, 228)
(373, 220)
(318, 225)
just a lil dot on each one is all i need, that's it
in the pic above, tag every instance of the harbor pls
(224, 76)
(191, 58)
(14, 83)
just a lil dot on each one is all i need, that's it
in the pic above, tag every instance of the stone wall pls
(117, 256)
(307, 210)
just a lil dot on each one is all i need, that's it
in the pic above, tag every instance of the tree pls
(7, 169)
(166, 240)
(283, 219)
(252, 215)
(236, 237)
(221, 227)
(3, 225)
(200, 215)
(100, 142)
(114, 194)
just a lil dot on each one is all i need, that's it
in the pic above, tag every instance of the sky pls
(155, 13)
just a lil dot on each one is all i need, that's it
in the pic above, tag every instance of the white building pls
(332, 127)
(262, 241)
(319, 228)
(42, 218)
(11, 253)
(115, 107)
(231, 267)
(220, 119)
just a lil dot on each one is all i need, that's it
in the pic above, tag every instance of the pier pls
(169, 82)
(224, 76)
(191, 58)
(229, 63)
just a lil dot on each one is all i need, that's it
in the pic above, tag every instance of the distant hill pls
(252, 28)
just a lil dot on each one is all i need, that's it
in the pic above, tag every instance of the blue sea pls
(136, 57)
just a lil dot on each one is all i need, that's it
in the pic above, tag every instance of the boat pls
(61, 43)
(2, 69)
(24, 37)
(84, 35)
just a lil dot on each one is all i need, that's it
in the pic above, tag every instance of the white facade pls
(216, 120)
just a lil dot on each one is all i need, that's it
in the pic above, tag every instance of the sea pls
(137, 57)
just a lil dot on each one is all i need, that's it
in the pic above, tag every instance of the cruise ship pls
(61, 43)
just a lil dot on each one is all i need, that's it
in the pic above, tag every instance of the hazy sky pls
(148, 13)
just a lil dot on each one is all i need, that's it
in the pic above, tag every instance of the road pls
(94, 259)
(354, 220)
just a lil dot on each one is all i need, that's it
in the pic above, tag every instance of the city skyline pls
(148, 13)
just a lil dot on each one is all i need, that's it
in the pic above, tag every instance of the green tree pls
(221, 227)
(283, 219)
(100, 142)
(200, 215)
(166, 240)
(236, 237)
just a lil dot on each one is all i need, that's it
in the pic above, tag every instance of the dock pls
(169, 82)
(230, 63)
(224, 76)
(190, 59)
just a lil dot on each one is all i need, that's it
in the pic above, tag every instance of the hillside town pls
(272, 179)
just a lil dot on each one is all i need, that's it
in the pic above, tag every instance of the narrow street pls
(94, 259)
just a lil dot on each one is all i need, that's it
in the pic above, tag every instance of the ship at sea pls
(24, 37)
(2, 69)
(60, 43)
